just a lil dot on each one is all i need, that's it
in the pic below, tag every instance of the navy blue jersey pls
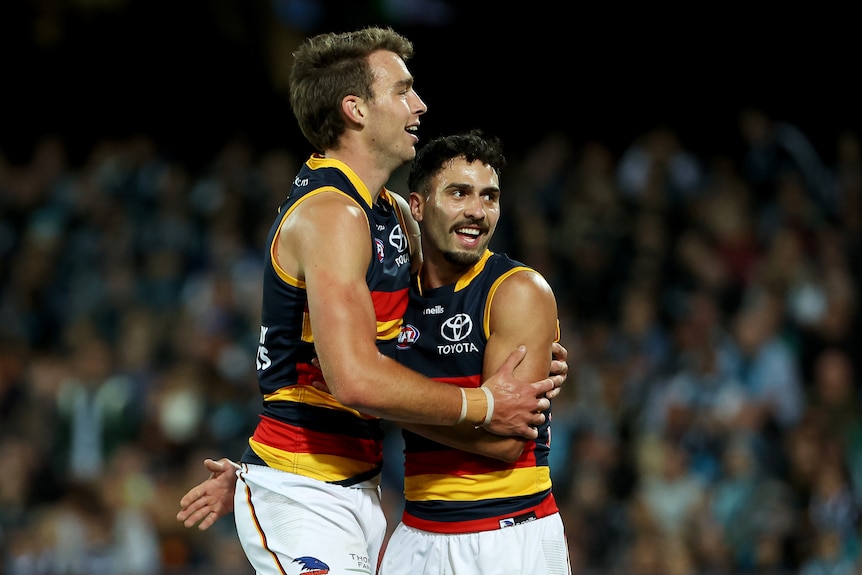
(447, 490)
(301, 429)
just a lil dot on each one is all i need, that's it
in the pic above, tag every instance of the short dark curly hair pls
(472, 145)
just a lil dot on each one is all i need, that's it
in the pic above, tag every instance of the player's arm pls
(523, 311)
(213, 498)
(327, 243)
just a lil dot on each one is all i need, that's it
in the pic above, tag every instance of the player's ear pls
(353, 108)
(417, 206)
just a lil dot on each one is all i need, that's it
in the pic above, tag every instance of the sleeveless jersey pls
(447, 490)
(303, 430)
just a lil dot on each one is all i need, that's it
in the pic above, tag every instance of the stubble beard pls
(462, 259)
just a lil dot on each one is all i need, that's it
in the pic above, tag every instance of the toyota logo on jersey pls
(457, 327)
(397, 239)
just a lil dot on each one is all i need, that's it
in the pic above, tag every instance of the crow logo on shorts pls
(312, 566)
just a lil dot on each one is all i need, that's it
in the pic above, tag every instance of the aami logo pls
(312, 566)
(407, 336)
(379, 245)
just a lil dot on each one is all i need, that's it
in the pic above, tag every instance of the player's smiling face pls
(395, 109)
(461, 212)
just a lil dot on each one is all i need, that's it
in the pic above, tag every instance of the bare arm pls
(523, 311)
(327, 244)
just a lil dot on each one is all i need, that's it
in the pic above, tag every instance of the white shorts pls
(291, 525)
(538, 548)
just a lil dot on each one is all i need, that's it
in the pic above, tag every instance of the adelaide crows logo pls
(312, 566)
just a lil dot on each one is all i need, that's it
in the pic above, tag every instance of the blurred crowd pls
(710, 423)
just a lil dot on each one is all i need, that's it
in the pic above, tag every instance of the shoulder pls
(524, 283)
(326, 212)
(517, 276)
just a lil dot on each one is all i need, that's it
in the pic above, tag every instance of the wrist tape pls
(489, 410)
(477, 406)
(463, 415)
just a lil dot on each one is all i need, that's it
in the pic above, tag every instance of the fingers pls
(547, 385)
(559, 367)
(192, 496)
(189, 511)
(195, 517)
(207, 522)
(554, 382)
(214, 466)
(551, 388)
(209, 500)
(544, 404)
(514, 360)
(194, 499)
(198, 507)
(203, 518)
(559, 352)
(220, 466)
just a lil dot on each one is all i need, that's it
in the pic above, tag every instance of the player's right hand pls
(518, 405)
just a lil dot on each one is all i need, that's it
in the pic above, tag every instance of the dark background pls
(191, 73)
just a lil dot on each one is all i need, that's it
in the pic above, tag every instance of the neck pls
(437, 271)
(373, 173)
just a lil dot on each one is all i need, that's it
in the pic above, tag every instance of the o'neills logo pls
(312, 566)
